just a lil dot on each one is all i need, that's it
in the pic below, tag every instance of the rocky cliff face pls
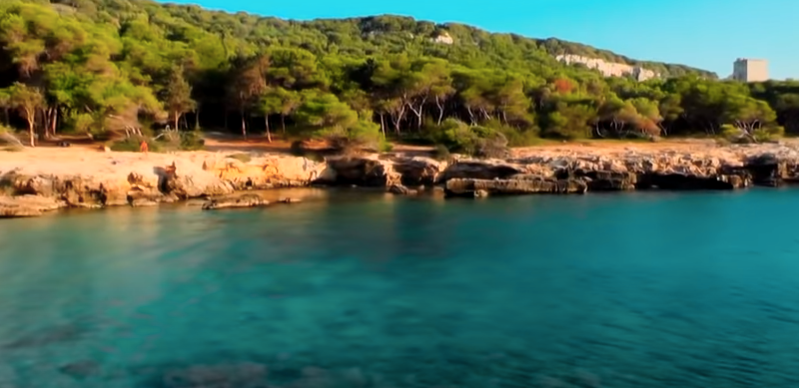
(32, 186)
(609, 69)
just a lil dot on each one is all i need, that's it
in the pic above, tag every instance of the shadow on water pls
(42, 338)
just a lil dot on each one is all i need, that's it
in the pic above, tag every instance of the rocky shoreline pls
(34, 182)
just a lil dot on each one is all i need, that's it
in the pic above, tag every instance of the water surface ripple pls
(638, 291)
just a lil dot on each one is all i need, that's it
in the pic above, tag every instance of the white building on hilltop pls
(750, 70)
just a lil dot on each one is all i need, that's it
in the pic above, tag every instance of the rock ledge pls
(32, 185)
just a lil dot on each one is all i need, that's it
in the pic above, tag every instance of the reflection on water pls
(364, 291)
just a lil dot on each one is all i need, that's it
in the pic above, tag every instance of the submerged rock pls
(402, 190)
(516, 185)
(235, 201)
(226, 375)
(149, 198)
(81, 369)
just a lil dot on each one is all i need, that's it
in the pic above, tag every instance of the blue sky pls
(708, 34)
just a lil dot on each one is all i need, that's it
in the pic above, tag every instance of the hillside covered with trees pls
(130, 66)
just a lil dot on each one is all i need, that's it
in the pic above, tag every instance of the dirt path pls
(233, 143)
(83, 149)
(615, 146)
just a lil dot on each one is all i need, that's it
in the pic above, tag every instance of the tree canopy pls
(122, 65)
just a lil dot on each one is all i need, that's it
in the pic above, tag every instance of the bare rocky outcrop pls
(266, 171)
(27, 206)
(33, 182)
(418, 171)
(609, 69)
(364, 170)
(576, 170)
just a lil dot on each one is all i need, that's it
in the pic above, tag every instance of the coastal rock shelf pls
(33, 182)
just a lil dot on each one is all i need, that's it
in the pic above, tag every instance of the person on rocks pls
(171, 169)
(143, 147)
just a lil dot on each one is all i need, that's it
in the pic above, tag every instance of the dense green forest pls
(130, 67)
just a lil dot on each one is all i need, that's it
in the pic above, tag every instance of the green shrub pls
(168, 141)
(133, 144)
(737, 136)
(455, 135)
(191, 141)
(516, 137)
(769, 133)
(361, 135)
(385, 145)
(79, 123)
(101, 136)
(442, 153)
(481, 141)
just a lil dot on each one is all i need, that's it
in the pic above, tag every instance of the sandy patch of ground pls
(103, 166)
(233, 143)
(218, 142)
(50, 157)
(614, 146)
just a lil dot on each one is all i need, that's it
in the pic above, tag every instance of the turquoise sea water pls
(628, 290)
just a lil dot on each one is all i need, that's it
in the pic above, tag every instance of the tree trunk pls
(471, 115)
(396, 118)
(243, 126)
(485, 113)
(197, 119)
(283, 124)
(440, 110)
(54, 123)
(177, 120)
(664, 130)
(31, 122)
(45, 115)
(383, 124)
(268, 133)
(418, 112)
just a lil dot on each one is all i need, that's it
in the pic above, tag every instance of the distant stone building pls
(750, 70)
